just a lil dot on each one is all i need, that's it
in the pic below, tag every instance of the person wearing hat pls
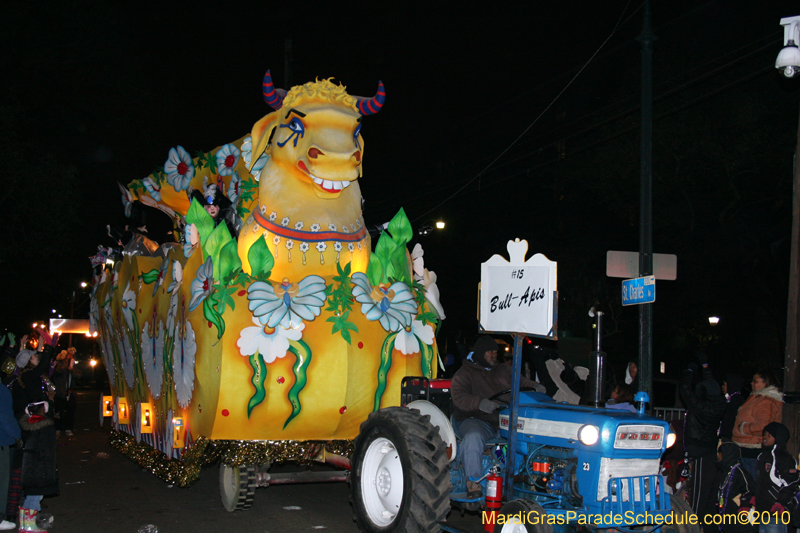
(777, 480)
(216, 205)
(32, 383)
(477, 420)
(65, 377)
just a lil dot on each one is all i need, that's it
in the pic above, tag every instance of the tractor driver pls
(478, 379)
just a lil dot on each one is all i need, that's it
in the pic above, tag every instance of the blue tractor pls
(574, 467)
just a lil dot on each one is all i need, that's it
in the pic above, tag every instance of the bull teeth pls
(330, 185)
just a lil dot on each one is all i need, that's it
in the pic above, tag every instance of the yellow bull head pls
(309, 206)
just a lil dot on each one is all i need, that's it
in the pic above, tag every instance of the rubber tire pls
(525, 507)
(421, 454)
(237, 486)
(680, 506)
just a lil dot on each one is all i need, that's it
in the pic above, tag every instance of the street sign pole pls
(646, 204)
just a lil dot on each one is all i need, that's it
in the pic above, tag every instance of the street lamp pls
(713, 320)
(788, 60)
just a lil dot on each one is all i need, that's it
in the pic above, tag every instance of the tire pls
(532, 514)
(237, 485)
(680, 507)
(400, 478)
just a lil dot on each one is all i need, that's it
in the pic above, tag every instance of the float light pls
(178, 428)
(108, 405)
(146, 423)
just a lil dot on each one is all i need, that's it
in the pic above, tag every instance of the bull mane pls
(324, 90)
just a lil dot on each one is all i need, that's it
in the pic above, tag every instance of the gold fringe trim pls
(204, 452)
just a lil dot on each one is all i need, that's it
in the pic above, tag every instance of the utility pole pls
(791, 411)
(646, 204)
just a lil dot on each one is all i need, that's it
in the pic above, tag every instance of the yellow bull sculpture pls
(296, 331)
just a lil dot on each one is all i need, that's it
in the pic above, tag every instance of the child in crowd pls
(777, 479)
(735, 487)
(39, 473)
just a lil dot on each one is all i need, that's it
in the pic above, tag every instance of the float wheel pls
(237, 486)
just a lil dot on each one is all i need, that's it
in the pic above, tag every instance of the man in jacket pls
(705, 407)
(478, 379)
(735, 487)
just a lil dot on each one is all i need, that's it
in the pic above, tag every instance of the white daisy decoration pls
(183, 359)
(409, 338)
(270, 343)
(227, 159)
(152, 358)
(179, 168)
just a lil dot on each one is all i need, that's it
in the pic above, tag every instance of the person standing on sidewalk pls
(9, 435)
(39, 473)
(705, 406)
(65, 377)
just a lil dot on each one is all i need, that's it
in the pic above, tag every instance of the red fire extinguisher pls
(494, 497)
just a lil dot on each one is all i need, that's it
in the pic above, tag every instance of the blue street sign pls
(639, 291)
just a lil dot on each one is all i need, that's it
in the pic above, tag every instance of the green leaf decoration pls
(342, 325)
(260, 259)
(219, 237)
(389, 259)
(383, 370)
(149, 277)
(212, 315)
(223, 299)
(259, 376)
(400, 228)
(229, 262)
(426, 359)
(375, 270)
(303, 354)
(201, 219)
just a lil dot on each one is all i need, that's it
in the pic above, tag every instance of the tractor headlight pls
(671, 438)
(588, 435)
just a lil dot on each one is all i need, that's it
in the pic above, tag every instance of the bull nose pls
(314, 153)
(357, 155)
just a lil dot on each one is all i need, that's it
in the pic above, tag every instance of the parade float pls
(276, 345)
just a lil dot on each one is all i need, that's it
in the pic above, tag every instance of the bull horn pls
(273, 96)
(370, 106)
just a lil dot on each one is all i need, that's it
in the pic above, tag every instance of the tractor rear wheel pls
(237, 485)
(522, 516)
(400, 478)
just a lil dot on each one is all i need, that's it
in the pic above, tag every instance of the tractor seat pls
(495, 441)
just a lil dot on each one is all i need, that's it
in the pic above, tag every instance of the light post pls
(788, 62)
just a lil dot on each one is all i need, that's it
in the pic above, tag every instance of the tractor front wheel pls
(400, 479)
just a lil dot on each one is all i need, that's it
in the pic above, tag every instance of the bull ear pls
(261, 133)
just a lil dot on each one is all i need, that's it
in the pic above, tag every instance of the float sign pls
(639, 291)
(517, 296)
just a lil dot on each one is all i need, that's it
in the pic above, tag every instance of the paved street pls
(113, 494)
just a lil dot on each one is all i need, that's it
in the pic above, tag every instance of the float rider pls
(217, 205)
(478, 379)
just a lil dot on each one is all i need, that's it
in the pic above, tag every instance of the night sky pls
(504, 122)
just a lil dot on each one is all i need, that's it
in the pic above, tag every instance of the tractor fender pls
(441, 422)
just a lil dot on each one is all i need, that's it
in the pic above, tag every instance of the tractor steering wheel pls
(508, 391)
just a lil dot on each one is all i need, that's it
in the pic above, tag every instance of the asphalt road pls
(114, 495)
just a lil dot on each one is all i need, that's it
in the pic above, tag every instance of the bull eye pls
(296, 127)
(355, 137)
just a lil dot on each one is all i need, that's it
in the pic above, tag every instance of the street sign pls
(626, 265)
(639, 291)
